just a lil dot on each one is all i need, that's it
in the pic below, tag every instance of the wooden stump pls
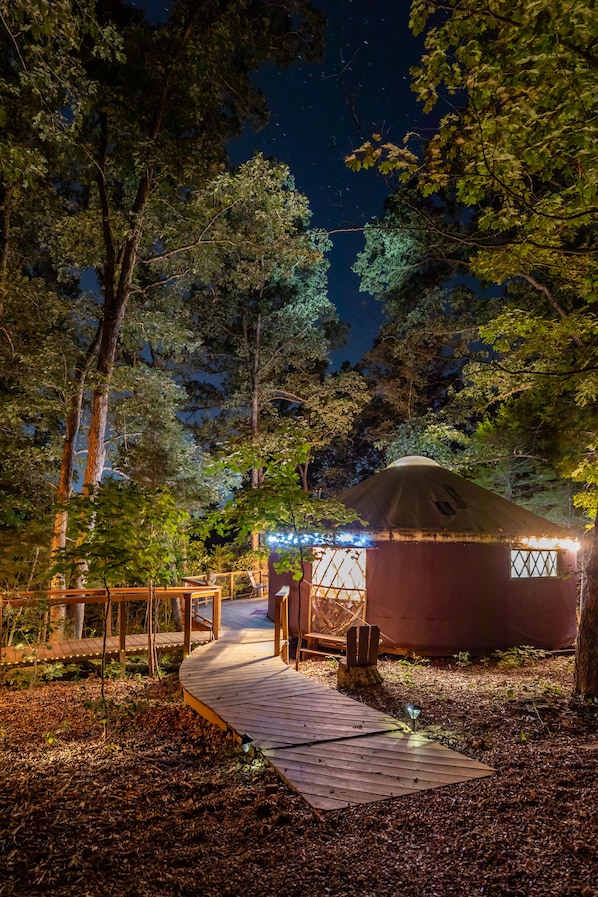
(356, 678)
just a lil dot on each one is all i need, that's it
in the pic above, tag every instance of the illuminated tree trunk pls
(65, 481)
(256, 471)
(117, 291)
(586, 657)
(64, 491)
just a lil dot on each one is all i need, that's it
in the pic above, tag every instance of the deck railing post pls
(281, 624)
(187, 623)
(216, 612)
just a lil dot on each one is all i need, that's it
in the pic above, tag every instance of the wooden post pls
(122, 631)
(277, 624)
(187, 623)
(281, 624)
(231, 584)
(216, 612)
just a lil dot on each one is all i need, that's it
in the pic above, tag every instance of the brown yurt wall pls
(542, 612)
(440, 598)
(275, 583)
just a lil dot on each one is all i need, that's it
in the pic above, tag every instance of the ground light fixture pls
(246, 743)
(414, 711)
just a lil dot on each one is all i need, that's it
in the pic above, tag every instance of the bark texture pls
(586, 658)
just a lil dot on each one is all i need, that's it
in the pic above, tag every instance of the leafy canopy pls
(127, 535)
(515, 84)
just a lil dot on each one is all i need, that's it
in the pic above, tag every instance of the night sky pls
(312, 128)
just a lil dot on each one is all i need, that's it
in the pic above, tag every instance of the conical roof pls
(417, 498)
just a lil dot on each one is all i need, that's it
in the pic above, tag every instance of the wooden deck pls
(334, 751)
(91, 648)
(197, 628)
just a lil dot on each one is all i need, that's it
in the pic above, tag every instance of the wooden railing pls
(120, 597)
(281, 624)
(228, 580)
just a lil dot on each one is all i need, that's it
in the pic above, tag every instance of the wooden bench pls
(318, 641)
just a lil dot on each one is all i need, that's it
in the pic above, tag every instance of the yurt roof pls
(415, 497)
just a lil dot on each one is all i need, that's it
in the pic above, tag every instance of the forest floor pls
(140, 796)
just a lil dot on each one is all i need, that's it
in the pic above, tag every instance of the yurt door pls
(337, 593)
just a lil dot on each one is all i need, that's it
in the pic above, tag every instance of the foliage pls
(149, 443)
(27, 677)
(587, 473)
(511, 167)
(412, 261)
(268, 321)
(44, 95)
(113, 128)
(517, 142)
(431, 437)
(127, 535)
(24, 627)
(524, 655)
(24, 554)
(318, 413)
(279, 505)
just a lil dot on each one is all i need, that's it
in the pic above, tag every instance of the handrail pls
(99, 596)
(230, 576)
(121, 596)
(281, 624)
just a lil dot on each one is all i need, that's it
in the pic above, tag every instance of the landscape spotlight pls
(414, 711)
(246, 742)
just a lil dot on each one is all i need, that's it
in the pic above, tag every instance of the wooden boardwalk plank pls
(334, 751)
(332, 775)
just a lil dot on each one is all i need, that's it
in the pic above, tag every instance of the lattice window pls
(527, 564)
(338, 589)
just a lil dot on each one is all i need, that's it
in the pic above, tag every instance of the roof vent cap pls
(414, 461)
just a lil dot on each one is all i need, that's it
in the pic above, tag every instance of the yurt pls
(442, 566)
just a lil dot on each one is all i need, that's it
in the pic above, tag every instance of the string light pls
(567, 544)
(342, 539)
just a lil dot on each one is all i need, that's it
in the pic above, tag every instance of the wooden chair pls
(358, 669)
(362, 645)
(257, 588)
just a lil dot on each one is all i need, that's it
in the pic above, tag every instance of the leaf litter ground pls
(142, 797)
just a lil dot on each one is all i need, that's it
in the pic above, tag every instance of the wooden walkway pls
(197, 628)
(334, 751)
(91, 648)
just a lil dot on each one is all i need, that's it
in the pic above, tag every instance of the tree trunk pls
(256, 471)
(96, 443)
(357, 678)
(115, 306)
(586, 655)
(152, 654)
(177, 617)
(6, 196)
(65, 488)
(304, 474)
